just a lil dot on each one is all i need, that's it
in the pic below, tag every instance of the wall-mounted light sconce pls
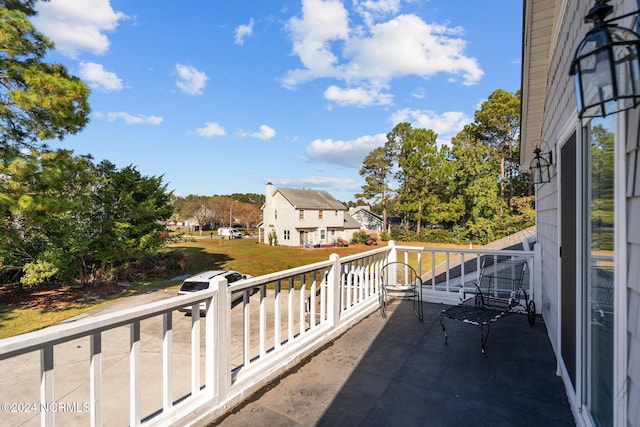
(540, 166)
(606, 65)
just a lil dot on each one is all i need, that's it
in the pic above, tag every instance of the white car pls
(200, 282)
(232, 233)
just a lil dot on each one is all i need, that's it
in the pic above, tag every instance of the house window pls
(275, 214)
(323, 234)
(333, 232)
(320, 214)
(301, 215)
(287, 235)
(336, 213)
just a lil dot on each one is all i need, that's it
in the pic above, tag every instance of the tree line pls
(468, 191)
(224, 211)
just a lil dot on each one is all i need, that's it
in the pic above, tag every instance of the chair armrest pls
(477, 295)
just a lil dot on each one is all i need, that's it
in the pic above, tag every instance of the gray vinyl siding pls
(547, 235)
(560, 110)
(633, 266)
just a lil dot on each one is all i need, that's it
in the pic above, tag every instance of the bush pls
(359, 237)
(37, 272)
(438, 235)
(273, 238)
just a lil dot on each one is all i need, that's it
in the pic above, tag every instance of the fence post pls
(220, 322)
(392, 256)
(537, 276)
(333, 288)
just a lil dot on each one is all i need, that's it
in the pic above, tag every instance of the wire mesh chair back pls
(502, 277)
(400, 280)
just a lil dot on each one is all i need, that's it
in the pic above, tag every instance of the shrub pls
(359, 237)
(37, 272)
(273, 238)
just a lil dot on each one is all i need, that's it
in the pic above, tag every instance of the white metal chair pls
(400, 280)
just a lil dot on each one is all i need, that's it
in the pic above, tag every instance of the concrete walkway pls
(398, 372)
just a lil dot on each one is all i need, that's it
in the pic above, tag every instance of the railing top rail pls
(69, 331)
(366, 254)
(474, 251)
(279, 275)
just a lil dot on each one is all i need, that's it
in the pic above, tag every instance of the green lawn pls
(244, 255)
(250, 257)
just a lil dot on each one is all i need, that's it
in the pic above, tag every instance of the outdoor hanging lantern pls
(606, 66)
(540, 167)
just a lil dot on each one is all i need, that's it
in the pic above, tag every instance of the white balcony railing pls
(246, 343)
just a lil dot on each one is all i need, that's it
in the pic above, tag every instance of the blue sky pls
(221, 97)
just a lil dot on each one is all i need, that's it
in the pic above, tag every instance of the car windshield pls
(194, 286)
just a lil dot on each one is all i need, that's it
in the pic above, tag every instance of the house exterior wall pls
(560, 105)
(558, 123)
(632, 159)
(283, 218)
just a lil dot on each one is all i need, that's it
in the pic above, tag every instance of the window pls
(336, 213)
(287, 235)
(301, 215)
(275, 214)
(233, 277)
(333, 232)
(320, 214)
(598, 270)
(323, 234)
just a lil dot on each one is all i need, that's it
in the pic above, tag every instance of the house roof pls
(350, 222)
(311, 199)
(366, 210)
(538, 34)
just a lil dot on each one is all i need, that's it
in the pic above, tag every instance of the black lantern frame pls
(606, 66)
(540, 166)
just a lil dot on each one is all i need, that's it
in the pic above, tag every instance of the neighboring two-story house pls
(302, 217)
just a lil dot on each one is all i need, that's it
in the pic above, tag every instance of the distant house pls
(367, 219)
(302, 217)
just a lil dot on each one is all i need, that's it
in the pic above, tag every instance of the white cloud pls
(372, 56)
(345, 153)
(190, 79)
(130, 119)
(265, 133)
(419, 93)
(372, 10)
(406, 45)
(322, 22)
(319, 182)
(445, 125)
(99, 78)
(210, 130)
(77, 26)
(357, 96)
(243, 31)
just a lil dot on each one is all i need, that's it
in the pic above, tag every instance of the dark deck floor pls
(398, 372)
